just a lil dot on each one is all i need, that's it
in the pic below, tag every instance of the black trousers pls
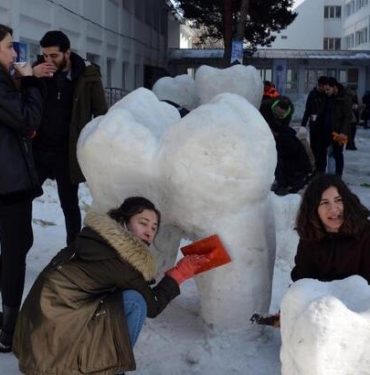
(16, 238)
(56, 165)
(320, 143)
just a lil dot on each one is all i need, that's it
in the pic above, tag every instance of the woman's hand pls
(186, 267)
(23, 69)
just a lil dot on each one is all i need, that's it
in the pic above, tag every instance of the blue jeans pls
(135, 311)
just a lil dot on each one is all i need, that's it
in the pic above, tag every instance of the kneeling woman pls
(86, 309)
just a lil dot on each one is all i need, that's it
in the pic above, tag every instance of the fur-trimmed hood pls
(129, 248)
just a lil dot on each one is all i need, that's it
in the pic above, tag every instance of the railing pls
(114, 94)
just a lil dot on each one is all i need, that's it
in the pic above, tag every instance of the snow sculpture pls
(325, 328)
(179, 89)
(238, 79)
(208, 173)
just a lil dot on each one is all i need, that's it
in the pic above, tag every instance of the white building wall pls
(119, 35)
(310, 27)
(356, 20)
(307, 30)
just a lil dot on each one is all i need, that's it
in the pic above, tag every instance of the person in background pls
(75, 95)
(20, 115)
(336, 125)
(356, 105)
(293, 168)
(334, 233)
(87, 307)
(313, 115)
(269, 90)
(366, 109)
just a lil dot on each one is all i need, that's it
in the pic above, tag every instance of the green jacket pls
(88, 100)
(72, 321)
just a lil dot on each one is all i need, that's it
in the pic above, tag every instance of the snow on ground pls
(174, 343)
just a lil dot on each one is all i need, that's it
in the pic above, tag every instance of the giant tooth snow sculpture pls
(179, 89)
(237, 79)
(209, 172)
(208, 83)
(325, 328)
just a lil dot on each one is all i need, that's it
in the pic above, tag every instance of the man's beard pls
(62, 65)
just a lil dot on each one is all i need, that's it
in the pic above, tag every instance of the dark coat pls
(20, 111)
(342, 113)
(293, 162)
(88, 101)
(315, 105)
(72, 322)
(334, 258)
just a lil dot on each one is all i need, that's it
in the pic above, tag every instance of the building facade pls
(128, 39)
(329, 25)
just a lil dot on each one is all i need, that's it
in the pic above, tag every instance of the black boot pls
(10, 315)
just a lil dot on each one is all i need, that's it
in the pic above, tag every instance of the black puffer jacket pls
(21, 112)
(334, 258)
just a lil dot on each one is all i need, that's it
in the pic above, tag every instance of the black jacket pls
(20, 112)
(334, 258)
(315, 105)
(293, 160)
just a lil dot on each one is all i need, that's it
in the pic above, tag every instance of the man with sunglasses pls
(74, 95)
(293, 168)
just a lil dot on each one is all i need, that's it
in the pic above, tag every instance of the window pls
(291, 79)
(361, 36)
(124, 74)
(348, 77)
(311, 77)
(332, 44)
(333, 12)
(266, 74)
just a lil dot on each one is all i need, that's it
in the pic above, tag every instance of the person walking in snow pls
(336, 123)
(334, 233)
(86, 309)
(20, 114)
(313, 115)
(75, 94)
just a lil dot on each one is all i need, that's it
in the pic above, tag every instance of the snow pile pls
(179, 89)
(208, 173)
(325, 328)
(238, 79)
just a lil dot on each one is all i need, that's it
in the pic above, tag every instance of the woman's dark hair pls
(4, 31)
(130, 207)
(309, 225)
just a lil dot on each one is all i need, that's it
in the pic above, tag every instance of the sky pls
(178, 342)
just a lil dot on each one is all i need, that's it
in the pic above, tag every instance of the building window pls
(333, 12)
(284, 37)
(124, 74)
(291, 79)
(266, 74)
(348, 77)
(332, 44)
(361, 36)
(311, 77)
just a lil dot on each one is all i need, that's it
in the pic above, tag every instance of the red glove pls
(186, 267)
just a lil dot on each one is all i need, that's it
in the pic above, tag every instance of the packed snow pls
(189, 337)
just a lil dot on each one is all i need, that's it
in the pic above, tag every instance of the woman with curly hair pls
(334, 233)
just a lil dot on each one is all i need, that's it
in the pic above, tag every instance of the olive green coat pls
(88, 101)
(72, 321)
